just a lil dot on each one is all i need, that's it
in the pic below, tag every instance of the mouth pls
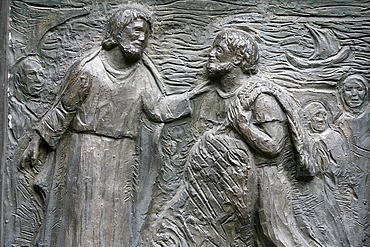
(37, 87)
(138, 44)
(211, 59)
(355, 101)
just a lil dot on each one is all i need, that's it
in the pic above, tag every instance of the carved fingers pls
(30, 156)
(239, 116)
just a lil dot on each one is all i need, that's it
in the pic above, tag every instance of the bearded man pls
(93, 129)
(249, 138)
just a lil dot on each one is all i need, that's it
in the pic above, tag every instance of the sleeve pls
(57, 120)
(264, 127)
(267, 109)
(161, 108)
(167, 108)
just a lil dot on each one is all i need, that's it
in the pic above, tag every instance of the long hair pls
(120, 19)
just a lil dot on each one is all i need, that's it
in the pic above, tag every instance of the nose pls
(37, 76)
(354, 93)
(142, 36)
(321, 119)
(212, 53)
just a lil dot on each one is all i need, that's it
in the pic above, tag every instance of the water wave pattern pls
(183, 32)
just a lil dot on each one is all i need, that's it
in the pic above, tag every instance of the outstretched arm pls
(162, 108)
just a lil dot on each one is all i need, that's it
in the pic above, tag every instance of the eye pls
(32, 73)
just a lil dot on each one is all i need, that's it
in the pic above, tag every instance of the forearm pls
(261, 141)
(54, 124)
(168, 108)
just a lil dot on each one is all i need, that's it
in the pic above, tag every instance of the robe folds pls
(94, 128)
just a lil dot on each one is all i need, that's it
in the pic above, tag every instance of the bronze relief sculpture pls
(185, 123)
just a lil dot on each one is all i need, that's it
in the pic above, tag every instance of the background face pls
(64, 31)
(319, 120)
(183, 33)
(354, 93)
(32, 78)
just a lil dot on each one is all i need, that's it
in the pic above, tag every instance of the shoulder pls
(89, 62)
(267, 108)
(333, 134)
(144, 70)
(266, 100)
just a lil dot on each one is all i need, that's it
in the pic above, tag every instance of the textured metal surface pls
(4, 10)
(295, 124)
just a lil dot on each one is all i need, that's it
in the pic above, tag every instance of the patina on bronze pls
(185, 123)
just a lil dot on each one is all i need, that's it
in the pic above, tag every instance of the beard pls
(132, 53)
(218, 69)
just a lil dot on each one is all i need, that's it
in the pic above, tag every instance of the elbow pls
(272, 152)
(272, 148)
(157, 118)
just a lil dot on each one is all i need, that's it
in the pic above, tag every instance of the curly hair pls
(241, 44)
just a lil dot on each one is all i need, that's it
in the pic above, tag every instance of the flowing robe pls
(356, 128)
(214, 204)
(94, 129)
(24, 205)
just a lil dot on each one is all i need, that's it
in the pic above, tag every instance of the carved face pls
(319, 119)
(132, 39)
(32, 78)
(354, 93)
(220, 59)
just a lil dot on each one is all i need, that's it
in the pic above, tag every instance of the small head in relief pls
(353, 91)
(232, 48)
(317, 117)
(29, 79)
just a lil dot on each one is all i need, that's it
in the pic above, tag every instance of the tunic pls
(279, 219)
(101, 111)
(225, 182)
(356, 128)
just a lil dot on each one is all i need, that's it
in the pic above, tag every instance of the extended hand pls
(239, 116)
